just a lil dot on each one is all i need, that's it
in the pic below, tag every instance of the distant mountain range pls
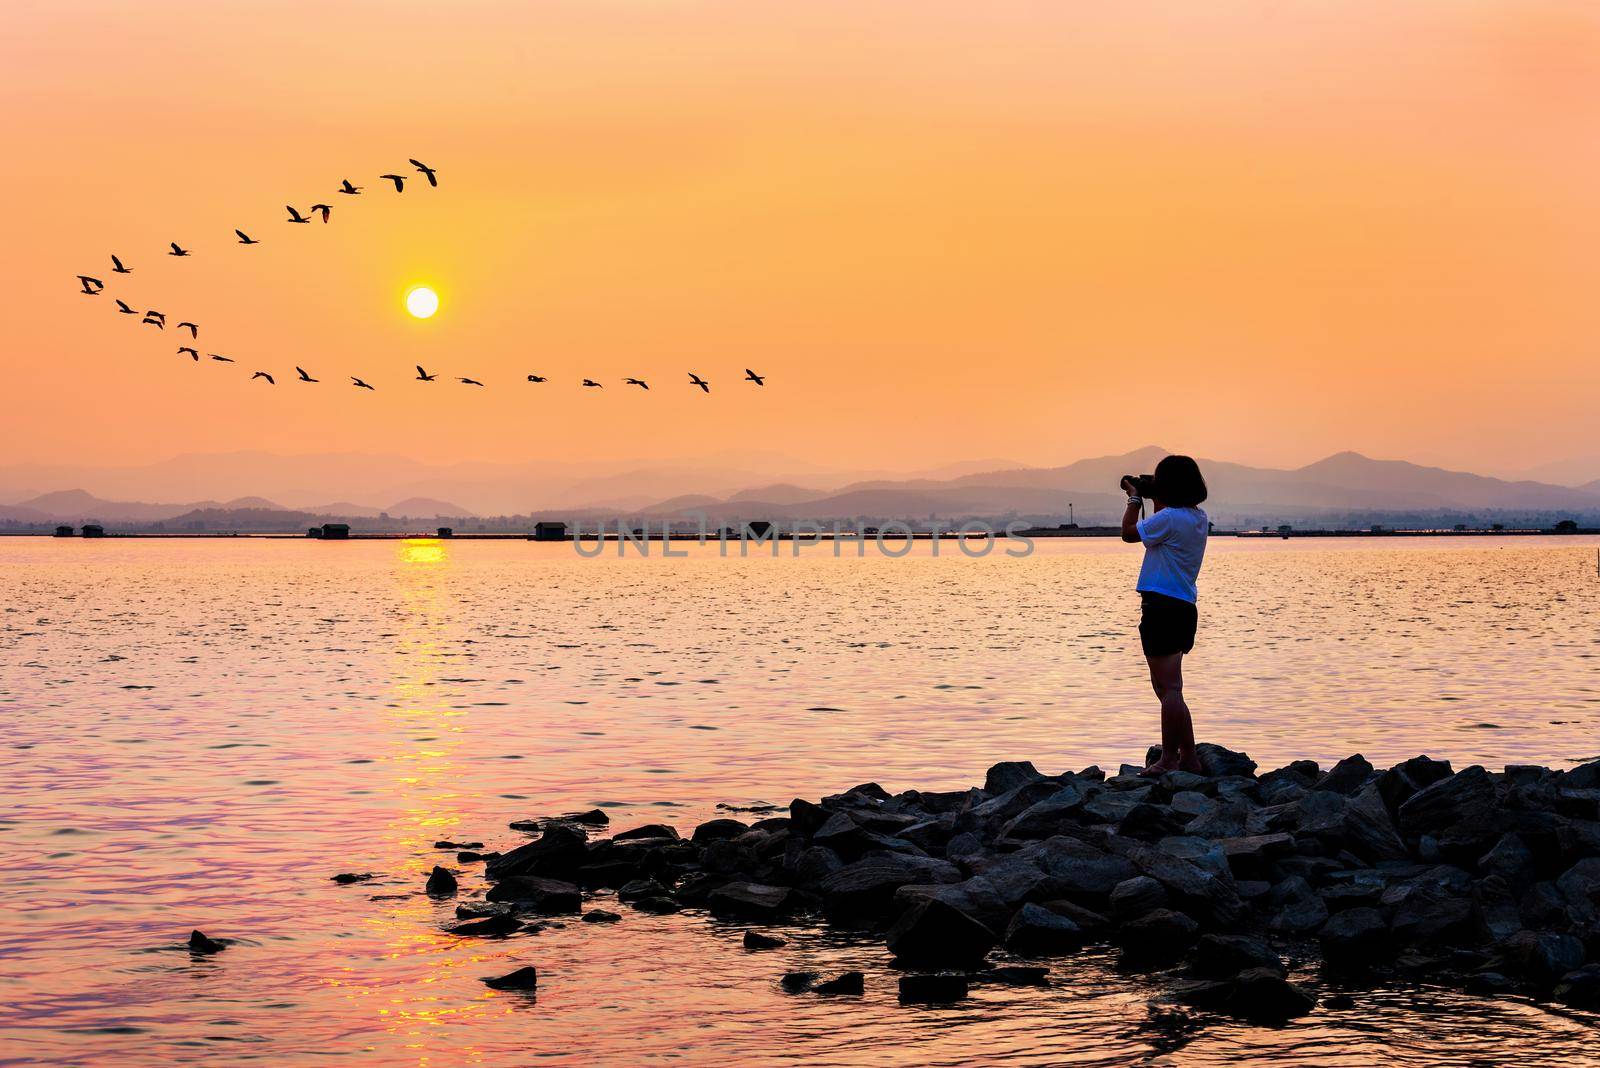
(78, 506)
(1344, 483)
(1343, 487)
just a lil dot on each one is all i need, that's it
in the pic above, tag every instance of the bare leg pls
(1177, 729)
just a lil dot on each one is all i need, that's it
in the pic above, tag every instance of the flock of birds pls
(94, 287)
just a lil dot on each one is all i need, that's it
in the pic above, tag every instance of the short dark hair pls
(1179, 483)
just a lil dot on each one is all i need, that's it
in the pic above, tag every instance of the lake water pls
(200, 733)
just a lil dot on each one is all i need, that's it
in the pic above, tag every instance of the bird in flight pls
(295, 216)
(635, 382)
(324, 208)
(696, 380)
(263, 374)
(303, 376)
(117, 267)
(427, 170)
(221, 359)
(751, 376)
(536, 378)
(423, 376)
(91, 286)
(469, 381)
(177, 250)
(194, 331)
(361, 384)
(193, 355)
(155, 319)
(399, 181)
(122, 306)
(346, 187)
(246, 239)
(592, 382)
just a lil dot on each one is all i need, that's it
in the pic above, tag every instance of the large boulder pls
(561, 849)
(1347, 776)
(1045, 818)
(1157, 938)
(751, 901)
(1216, 761)
(1263, 995)
(1465, 799)
(1035, 931)
(1134, 897)
(1010, 774)
(1294, 908)
(1579, 885)
(1192, 886)
(1080, 868)
(1424, 911)
(1580, 988)
(1356, 936)
(1369, 832)
(537, 893)
(1219, 956)
(866, 888)
(1251, 855)
(1403, 780)
(934, 934)
(1494, 909)
(1542, 957)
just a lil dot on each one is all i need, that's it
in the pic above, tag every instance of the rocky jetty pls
(1491, 877)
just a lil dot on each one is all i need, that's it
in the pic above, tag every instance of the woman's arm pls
(1130, 515)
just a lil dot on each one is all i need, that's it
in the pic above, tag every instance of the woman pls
(1174, 539)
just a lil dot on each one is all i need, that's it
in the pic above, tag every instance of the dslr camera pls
(1139, 485)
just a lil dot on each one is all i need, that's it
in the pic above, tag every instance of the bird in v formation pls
(92, 286)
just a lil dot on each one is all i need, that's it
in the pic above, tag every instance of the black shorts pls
(1166, 624)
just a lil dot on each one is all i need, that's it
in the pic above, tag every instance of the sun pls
(422, 302)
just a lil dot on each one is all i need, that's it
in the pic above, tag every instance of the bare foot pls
(1158, 769)
(1192, 764)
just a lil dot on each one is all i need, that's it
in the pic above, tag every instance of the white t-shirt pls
(1174, 544)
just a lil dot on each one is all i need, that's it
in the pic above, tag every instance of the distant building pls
(93, 530)
(446, 532)
(64, 532)
(549, 531)
(314, 532)
(335, 531)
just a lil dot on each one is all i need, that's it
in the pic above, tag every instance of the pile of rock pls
(1494, 877)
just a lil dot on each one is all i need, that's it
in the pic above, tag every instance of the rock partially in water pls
(1356, 936)
(932, 989)
(525, 978)
(932, 933)
(1035, 931)
(1156, 938)
(1580, 988)
(537, 894)
(660, 906)
(845, 983)
(345, 878)
(1012, 975)
(441, 882)
(200, 943)
(757, 940)
(600, 916)
(751, 901)
(795, 982)
(497, 925)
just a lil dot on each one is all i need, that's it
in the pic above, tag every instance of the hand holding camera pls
(1139, 485)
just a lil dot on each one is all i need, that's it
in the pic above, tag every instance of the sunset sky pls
(1255, 231)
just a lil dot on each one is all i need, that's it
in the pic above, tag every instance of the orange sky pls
(1256, 231)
